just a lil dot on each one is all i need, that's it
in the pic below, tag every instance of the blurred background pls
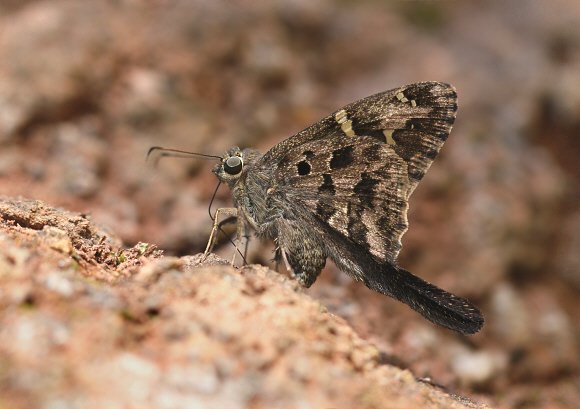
(86, 87)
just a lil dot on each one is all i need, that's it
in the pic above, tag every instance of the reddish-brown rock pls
(84, 322)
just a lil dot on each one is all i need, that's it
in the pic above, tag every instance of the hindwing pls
(358, 187)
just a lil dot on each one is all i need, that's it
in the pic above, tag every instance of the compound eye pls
(233, 165)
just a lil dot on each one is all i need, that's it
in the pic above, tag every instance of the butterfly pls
(340, 189)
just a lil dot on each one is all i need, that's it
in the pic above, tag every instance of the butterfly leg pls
(242, 234)
(227, 213)
(246, 237)
(277, 256)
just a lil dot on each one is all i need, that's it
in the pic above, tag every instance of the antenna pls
(155, 154)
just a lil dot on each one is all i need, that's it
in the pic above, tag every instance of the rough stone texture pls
(86, 87)
(77, 330)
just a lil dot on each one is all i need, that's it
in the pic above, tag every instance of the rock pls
(478, 367)
(158, 332)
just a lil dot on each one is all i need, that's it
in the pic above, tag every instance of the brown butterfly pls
(340, 189)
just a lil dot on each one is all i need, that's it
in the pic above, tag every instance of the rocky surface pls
(86, 323)
(86, 87)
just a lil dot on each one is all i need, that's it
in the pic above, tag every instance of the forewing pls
(358, 186)
(415, 120)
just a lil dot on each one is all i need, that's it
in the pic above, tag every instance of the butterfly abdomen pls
(434, 303)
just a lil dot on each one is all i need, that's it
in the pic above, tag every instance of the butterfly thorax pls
(249, 184)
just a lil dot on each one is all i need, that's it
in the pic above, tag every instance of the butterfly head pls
(230, 168)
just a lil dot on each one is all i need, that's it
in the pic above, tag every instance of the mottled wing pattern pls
(366, 201)
(340, 189)
(414, 119)
(356, 168)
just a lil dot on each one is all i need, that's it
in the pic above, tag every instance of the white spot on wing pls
(339, 220)
(340, 116)
(389, 136)
(345, 124)
(401, 97)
